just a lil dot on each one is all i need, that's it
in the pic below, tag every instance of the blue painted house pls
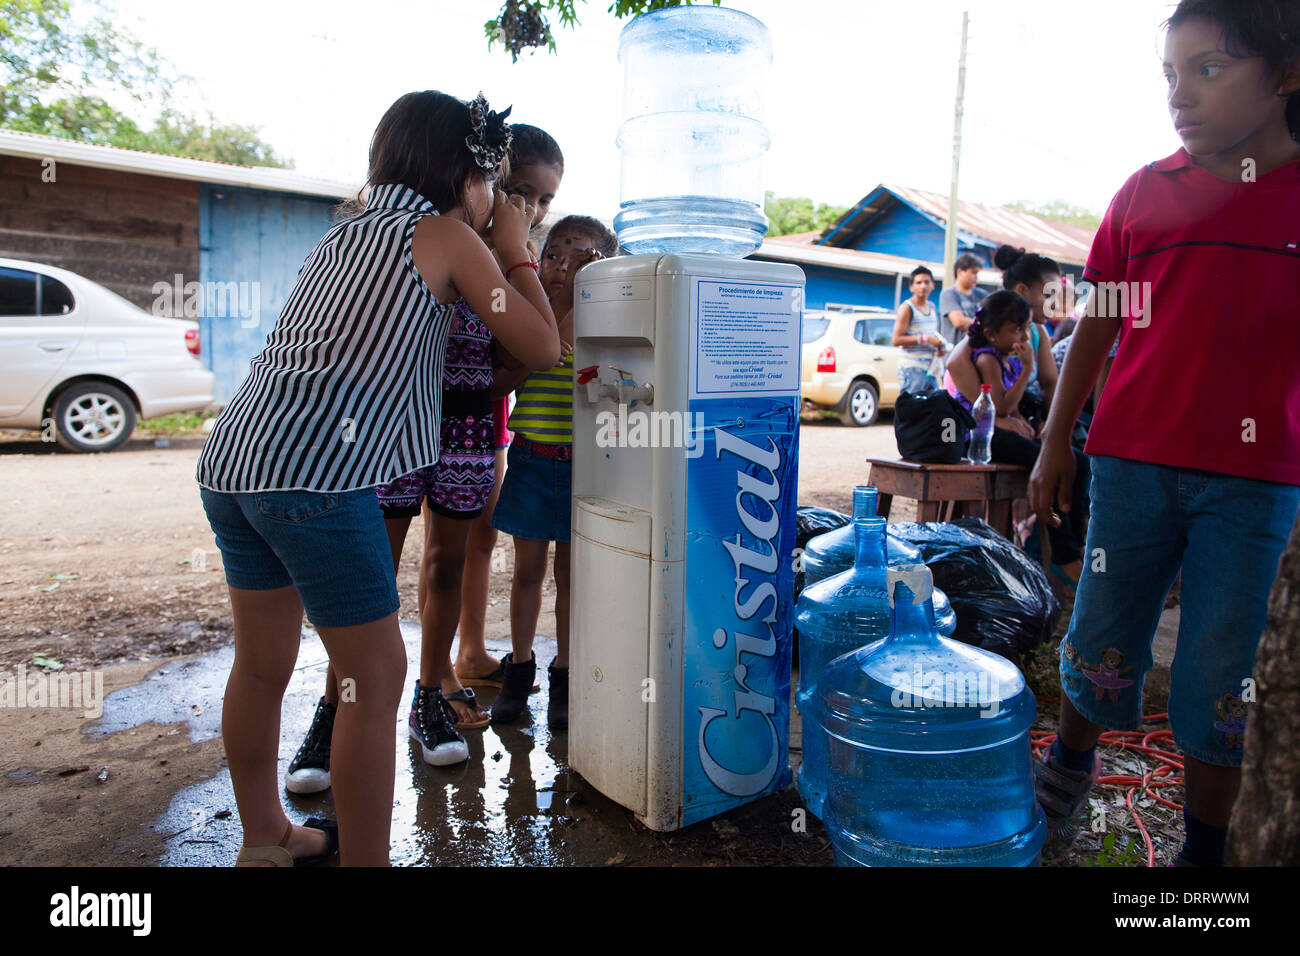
(864, 258)
(251, 235)
(177, 237)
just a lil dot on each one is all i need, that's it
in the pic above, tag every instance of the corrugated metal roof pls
(35, 146)
(992, 224)
(803, 247)
(1048, 237)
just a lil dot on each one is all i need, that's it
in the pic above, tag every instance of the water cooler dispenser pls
(685, 465)
(685, 443)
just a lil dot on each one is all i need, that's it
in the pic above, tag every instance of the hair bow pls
(489, 137)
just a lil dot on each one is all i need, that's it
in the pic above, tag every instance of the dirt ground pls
(142, 575)
(107, 562)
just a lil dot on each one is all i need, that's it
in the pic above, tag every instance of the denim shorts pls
(535, 496)
(331, 546)
(1227, 534)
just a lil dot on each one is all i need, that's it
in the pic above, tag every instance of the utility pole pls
(950, 236)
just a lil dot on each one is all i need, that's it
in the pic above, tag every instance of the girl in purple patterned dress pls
(455, 491)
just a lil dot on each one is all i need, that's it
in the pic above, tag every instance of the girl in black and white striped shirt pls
(346, 394)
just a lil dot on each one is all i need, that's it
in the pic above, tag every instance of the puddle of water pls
(514, 802)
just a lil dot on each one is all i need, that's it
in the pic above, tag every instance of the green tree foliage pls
(798, 214)
(523, 24)
(61, 77)
(181, 135)
(1058, 209)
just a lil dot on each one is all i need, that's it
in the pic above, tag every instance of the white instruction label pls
(744, 338)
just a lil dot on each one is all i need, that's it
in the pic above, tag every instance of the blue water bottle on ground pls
(833, 552)
(834, 616)
(928, 747)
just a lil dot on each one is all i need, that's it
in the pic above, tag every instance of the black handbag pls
(931, 427)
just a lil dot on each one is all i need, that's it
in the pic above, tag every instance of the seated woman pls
(996, 353)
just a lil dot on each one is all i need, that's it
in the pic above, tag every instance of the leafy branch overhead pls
(523, 25)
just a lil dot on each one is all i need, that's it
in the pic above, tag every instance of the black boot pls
(557, 708)
(516, 684)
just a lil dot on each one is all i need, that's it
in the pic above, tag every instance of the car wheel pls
(93, 416)
(861, 405)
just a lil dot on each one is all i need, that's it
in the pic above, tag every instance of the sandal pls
(1024, 529)
(279, 856)
(466, 696)
(1065, 579)
(493, 679)
(1061, 792)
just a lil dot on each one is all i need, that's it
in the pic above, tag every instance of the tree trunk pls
(1265, 827)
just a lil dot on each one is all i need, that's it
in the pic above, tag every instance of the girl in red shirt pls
(1188, 477)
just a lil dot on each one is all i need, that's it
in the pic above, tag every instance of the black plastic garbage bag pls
(809, 523)
(1002, 599)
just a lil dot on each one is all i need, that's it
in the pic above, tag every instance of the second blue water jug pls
(928, 747)
(833, 552)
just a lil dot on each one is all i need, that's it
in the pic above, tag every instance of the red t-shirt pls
(1208, 370)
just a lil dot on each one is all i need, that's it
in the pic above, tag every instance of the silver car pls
(81, 363)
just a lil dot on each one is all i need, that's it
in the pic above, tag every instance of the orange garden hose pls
(1167, 773)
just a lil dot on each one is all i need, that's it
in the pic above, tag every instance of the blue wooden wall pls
(844, 287)
(902, 231)
(847, 288)
(255, 237)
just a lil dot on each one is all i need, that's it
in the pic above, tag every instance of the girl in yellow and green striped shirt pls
(544, 405)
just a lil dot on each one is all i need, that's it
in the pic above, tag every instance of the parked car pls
(849, 365)
(83, 364)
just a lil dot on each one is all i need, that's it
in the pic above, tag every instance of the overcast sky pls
(1063, 99)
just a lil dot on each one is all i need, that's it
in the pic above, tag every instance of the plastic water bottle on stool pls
(928, 745)
(985, 415)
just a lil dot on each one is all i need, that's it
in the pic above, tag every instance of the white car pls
(82, 363)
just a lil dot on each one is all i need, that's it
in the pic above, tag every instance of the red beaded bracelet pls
(527, 262)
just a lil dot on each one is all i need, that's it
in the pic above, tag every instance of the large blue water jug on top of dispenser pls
(928, 746)
(692, 139)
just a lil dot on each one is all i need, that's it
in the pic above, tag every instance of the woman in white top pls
(916, 331)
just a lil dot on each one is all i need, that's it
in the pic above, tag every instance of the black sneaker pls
(309, 771)
(557, 707)
(433, 724)
(516, 683)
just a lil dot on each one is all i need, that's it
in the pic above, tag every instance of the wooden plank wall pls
(125, 231)
(259, 239)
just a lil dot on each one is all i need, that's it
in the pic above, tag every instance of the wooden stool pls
(946, 492)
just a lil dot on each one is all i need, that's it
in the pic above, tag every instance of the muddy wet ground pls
(107, 563)
(514, 802)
